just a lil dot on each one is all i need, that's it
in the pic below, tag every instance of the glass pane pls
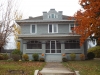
(48, 45)
(66, 46)
(52, 15)
(58, 51)
(52, 51)
(55, 28)
(33, 28)
(47, 51)
(50, 28)
(52, 44)
(58, 45)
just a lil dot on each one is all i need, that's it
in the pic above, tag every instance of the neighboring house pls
(50, 35)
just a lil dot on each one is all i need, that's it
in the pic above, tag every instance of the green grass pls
(88, 67)
(28, 67)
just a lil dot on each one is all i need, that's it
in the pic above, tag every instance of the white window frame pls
(55, 47)
(31, 29)
(53, 28)
(70, 27)
(50, 15)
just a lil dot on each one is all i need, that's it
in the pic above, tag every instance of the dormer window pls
(52, 16)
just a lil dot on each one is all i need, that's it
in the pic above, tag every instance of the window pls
(53, 46)
(33, 29)
(34, 45)
(52, 16)
(72, 44)
(71, 27)
(52, 28)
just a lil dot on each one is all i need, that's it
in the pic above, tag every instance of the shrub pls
(1, 56)
(16, 55)
(42, 59)
(18, 52)
(95, 50)
(90, 55)
(5, 56)
(35, 57)
(64, 59)
(25, 57)
(82, 56)
(72, 56)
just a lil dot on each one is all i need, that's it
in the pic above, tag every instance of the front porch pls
(52, 47)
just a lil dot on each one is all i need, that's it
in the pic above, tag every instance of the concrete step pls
(59, 74)
(56, 71)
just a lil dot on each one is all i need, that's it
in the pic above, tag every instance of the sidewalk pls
(55, 68)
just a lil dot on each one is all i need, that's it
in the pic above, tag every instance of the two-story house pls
(51, 35)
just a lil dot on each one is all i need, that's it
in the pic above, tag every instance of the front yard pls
(27, 67)
(88, 67)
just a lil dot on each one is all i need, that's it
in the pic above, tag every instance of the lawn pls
(88, 67)
(28, 67)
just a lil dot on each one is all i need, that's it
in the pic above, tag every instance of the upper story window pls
(33, 28)
(71, 26)
(52, 16)
(52, 28)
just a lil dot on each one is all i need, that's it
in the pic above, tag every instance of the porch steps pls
(56, 71)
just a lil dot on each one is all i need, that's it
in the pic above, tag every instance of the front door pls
(53, 51)
(53, 46)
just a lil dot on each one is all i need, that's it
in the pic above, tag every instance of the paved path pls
(55, 68)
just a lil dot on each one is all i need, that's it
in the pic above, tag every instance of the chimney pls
(60, 12)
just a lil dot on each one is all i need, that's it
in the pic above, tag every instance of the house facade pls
(51, 35)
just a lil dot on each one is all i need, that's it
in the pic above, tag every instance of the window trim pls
(29, 42)
(70, 27)
(72, 43)
(55, 47)
(31, 28)
(53, 28)
(55, 16)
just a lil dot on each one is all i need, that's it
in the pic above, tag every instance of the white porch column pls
(62, 47)
(43, 46)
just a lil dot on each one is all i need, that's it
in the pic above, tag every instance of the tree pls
(17, 29)
(88, 20)
(7, 10)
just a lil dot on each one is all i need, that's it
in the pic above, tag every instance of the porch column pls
(62, 47)
(43, 46)
(21, 45)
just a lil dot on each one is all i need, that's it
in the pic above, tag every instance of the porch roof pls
(44, 21)
(46, 35)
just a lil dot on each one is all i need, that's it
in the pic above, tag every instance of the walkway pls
(55, 68)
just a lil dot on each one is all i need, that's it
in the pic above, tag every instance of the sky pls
(36, 7)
